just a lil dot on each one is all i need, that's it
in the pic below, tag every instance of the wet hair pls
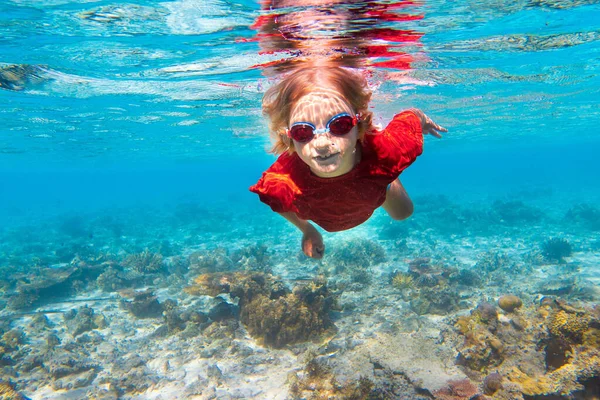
(279, 100)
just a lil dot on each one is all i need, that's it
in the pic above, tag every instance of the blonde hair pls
(279, 100)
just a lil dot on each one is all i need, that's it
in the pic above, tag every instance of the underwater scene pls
(135, 263)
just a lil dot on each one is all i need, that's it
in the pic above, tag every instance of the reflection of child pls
(335, 168)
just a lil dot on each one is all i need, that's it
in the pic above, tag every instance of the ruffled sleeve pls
(399, 144)
(276, 188)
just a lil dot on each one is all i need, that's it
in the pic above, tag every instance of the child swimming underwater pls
(335, 168)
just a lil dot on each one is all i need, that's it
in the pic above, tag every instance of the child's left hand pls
(312, 243)
(427, 125)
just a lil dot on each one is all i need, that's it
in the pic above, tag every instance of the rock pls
(83, 320)
(492, 383)
(52, 341)
(61, 363)
(144, 305)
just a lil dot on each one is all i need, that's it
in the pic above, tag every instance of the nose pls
(322, 141)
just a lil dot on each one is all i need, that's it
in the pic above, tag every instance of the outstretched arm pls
(427, 125)
(397, 202)
(312, 241)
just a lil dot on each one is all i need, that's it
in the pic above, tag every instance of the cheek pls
(348, 143)
(303, 150)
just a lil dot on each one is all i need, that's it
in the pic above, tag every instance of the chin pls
(328, 169)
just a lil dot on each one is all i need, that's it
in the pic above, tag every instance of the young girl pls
(335, 167)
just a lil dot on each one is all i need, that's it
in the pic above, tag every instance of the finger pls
(433, 133)
(441, 128)
(436, 126)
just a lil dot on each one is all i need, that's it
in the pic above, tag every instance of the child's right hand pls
(312, 243)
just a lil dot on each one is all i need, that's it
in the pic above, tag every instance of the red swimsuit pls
(345, 201)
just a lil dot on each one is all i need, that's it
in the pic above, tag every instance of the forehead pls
(319, 104)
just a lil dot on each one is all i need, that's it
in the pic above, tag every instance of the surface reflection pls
(355, 34)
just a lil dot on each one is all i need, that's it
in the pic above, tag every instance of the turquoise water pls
(133, 126)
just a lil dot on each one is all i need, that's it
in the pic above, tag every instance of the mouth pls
(326, 158)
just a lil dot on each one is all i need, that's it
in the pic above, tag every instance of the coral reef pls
(298, 316)
(129, 377)
(465, 277)
(402, 281)
(145, 262)
(114, 278)
(216, 260)
(427, 287)
(568, 326)
(584, 215)
(516, 212)
(426, 274)
(222, 310)
(439, 300)
(481, 348)
(252, 258)
(7, 392)
(398, 335)
(83, 319)
(492, 383)
(356, 253)
(456, 390)
(52, 283)
(317, 381)
(143, 305)
(491, 261)
(509, 303)
(270, 312)
(546, 350)
(556, 249)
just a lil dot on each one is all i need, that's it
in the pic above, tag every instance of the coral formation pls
(145, 262)
(549, 350)
(530, 348)
(509, 303)
(481, 348)
(556, 249)
(492, 383)
(144, 304)
(356, 253)
(439, 300)
(216, 260)
(51, 283)
(82, 320)
(424, 273)
(252, 258)
(491, 261)
(585, 215)
(402, 281)
(7, 392)
(568, 326)
(272, 313)
(12, 339)
(516, 212)
(114, 278)
(456, 390)
(317, 381)
(428, 287)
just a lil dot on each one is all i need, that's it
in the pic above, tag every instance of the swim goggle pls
(338, 125)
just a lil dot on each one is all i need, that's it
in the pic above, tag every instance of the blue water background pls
(111, 129)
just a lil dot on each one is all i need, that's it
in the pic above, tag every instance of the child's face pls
(326, 155)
